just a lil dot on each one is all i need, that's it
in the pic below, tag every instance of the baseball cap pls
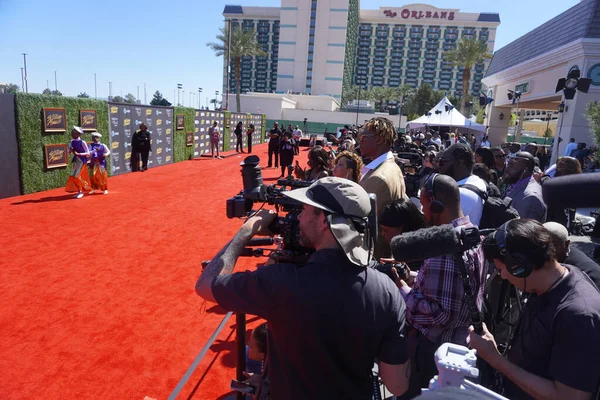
(557, 230)
(348, 204)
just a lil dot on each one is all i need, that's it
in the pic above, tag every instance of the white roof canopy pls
(444, 114)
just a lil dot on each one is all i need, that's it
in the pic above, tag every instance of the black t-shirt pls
(584, 263)
(558, 336)
(275, 137)
(328, 321)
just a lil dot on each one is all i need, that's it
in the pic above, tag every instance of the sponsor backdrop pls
(234, 119)
(124, 121)
(255, 119)
(203, 119)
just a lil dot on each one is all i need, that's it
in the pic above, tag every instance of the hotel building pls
(323, 47)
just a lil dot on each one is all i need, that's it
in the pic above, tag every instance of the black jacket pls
(141, 141)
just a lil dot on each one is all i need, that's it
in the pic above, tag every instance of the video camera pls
(287, 227)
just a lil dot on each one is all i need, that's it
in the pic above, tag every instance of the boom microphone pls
(572, 191)
(433, 242)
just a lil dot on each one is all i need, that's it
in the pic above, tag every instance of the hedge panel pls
(181, 151)
(31, 136)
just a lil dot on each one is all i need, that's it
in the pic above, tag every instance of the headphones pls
(517, 264)
(436, 206)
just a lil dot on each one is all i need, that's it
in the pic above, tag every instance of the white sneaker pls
(79, 195)
(220, 158)
(106, 192)
(92, 192)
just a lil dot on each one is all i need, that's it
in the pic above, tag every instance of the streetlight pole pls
(183, 98)
(109, 91)
(22, 80)
(216, 95)
(138, 94)
(228, 65)
(179, 86)
(25, 68)
(199, 99)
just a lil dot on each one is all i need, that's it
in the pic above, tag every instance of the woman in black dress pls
(286, 152)
(239, 135)
(249, 133)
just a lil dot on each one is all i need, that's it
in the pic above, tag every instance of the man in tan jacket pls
(382, 176)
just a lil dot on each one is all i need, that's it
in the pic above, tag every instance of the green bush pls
(31, 136)
(180, 150)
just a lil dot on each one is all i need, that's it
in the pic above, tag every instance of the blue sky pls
(162, 43)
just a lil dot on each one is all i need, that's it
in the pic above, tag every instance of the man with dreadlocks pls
(381, 176)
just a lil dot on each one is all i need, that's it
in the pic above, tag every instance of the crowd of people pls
(330, 319)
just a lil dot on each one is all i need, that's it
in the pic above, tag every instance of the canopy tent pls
(444, 114)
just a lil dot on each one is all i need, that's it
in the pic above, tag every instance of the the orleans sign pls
(408, 13)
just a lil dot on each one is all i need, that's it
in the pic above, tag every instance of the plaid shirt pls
(436, 305)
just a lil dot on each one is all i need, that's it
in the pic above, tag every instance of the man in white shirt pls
(485, 142)
(297, 135)
(457, 162)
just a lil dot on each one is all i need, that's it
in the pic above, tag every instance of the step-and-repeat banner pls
(203, 120)
(256, 120)
(125, 120)
(235, 118)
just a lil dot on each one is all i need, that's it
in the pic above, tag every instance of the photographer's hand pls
(224, 261)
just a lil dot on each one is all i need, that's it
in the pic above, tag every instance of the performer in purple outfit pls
(99, 152)
(79, 180)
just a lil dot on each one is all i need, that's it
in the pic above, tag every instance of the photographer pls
(330, 318)
(554, 351)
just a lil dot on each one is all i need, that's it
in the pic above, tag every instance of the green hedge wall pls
(31, 136)
(180, 150)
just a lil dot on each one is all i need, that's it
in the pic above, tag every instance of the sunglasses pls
(499, 156)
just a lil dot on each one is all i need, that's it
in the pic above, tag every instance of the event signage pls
(235, 118)
(189, 139)
(55, 120)
(56, 155)
(203, 120)
(125, 120)
(88, 120)
(407, 13)
(523, 87)
(180, 122)
(256, 120)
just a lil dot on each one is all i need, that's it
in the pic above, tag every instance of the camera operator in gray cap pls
(329, 319)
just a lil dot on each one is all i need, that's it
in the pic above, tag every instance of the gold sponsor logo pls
(127, 122)
(128, 155)
(196, 130)
(197, 113)
(159, 122)
(168, 158)
(88, 119)
(148, 112)
(56, 155)
(115, 145)
(168, 131)
(159, 150)
(114, 110)
(54, 119)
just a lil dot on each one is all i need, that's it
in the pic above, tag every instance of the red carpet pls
(98, 293)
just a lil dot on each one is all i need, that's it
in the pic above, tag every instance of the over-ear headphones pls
(436, 206)
(517, 264)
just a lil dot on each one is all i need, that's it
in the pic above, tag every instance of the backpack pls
(496, 211)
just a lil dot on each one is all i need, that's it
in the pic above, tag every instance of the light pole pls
(179, 86)
(138, 94)
(22, 80)
(109, 91)
(25, 69)
(216, 95)
(228, 65)
(199, 100)
(183, 98)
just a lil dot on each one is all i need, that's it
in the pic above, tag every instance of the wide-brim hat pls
(96, 134)
(78, 129)
(348, 204)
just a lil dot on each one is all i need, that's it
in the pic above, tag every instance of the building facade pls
(326, 46)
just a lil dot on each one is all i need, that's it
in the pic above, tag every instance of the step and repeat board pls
(203, 120)
(256, 120)
(125, 120)
(234, 119)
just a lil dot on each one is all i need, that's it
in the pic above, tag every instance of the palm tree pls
(242, 44)
(467, 53)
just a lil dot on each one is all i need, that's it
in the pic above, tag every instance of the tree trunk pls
(466, 76)
(238, 84)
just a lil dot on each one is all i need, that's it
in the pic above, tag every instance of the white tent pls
(444, 114)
